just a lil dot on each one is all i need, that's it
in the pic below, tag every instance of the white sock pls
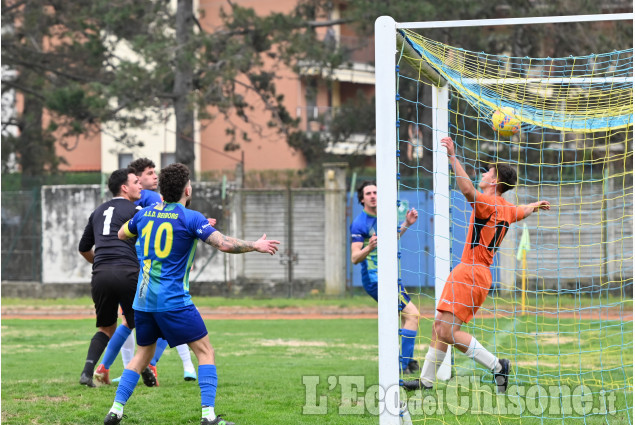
(117, 408)
(127, 350)
(184, 352)
(477, 352)
(208, 412)
(431, 365)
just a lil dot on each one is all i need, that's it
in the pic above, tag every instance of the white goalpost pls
(388, 152)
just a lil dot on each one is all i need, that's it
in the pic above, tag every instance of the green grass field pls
(263, 364)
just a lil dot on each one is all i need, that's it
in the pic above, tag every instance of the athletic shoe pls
(101, 375)
(113, 419)
(413, 368)
(149, 378)
(217, 421)
(156, 374)
(501, 378)
(415, 384)
(189, 376)
(86, 380)
(116, 379)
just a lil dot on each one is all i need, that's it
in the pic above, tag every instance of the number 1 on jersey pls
(107, 220)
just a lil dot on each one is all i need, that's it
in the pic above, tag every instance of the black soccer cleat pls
(148, 377)
(217, 421)
(412, 368)
(113, 419)
(86, 380)
(501, 379)
(415, 384)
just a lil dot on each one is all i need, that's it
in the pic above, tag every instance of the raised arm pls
(237, 246)
(462, 179)
(534, 207)
(411, 216)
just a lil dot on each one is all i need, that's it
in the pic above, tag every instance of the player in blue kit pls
(364, 251)
(167, 235)
(122, 340)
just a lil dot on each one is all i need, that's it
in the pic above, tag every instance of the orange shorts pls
(465, 290)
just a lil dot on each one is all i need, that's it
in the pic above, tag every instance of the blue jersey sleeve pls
(131, 229)
(358, 232)
(148, 198)
(198, 225)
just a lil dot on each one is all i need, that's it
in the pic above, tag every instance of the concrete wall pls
(293, 216)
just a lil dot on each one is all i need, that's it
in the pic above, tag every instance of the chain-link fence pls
(21, 235)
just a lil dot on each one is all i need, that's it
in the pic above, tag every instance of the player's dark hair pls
(118, 178)
(360, 189)
(506, 177)
(172, 181)
(141, 164)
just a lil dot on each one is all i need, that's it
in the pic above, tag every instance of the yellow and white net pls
(561, 306)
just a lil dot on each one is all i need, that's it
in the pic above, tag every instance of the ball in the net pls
(504, 122)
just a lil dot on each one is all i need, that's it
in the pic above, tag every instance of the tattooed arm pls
(238, 246)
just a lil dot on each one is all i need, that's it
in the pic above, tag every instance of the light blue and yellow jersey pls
(362, 229)
(167, 235)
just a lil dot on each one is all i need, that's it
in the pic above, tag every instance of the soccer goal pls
(561, 303)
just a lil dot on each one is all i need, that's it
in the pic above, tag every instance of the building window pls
(124, 159)
(167, 158)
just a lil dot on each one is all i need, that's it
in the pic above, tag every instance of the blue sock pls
(207, 380)
(407, 346)
(158, 352)
(114, 345)
(129, 380)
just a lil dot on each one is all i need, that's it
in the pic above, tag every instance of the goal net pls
(560, 307)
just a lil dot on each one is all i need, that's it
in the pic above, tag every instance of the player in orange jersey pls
(469, 282)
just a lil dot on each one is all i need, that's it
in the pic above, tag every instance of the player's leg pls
(186, 326)
(408, 332)
(124, 285)
(207, 377)
(448, 329)
(189, 374)
(106, 311)
(112, 350)
(160, 348)
(127, 349)
(128, 382)
(147, 333)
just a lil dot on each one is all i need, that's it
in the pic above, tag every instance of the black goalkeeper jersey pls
(101, 231)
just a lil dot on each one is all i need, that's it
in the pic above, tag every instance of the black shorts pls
(112, 286)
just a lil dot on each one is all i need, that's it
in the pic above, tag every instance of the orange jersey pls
(489, 223)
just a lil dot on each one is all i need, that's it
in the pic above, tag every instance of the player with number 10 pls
(166, 243)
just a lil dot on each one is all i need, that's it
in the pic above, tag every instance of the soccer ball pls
(504, 122)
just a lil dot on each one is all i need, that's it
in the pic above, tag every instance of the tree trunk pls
(33, 148)
(183, 83)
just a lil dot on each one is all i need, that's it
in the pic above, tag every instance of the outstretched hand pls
(211, 221)
(448, 144)
(543, 205)
(266, 246)
(411, 216)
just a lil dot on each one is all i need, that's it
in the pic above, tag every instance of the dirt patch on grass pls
(46, 399)
(299, 313)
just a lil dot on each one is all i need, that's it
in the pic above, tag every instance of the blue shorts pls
(175, 326)
(404, 298)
